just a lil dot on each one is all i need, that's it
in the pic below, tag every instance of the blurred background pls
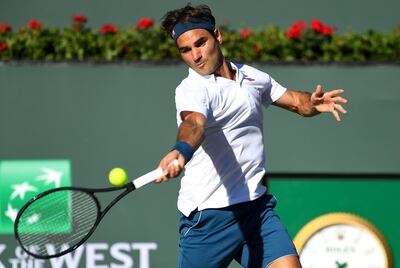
(356, 14)
(93, 117)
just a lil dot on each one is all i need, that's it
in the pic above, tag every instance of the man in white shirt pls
(225, 212)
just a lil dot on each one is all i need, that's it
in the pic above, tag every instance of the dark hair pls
(171, 18)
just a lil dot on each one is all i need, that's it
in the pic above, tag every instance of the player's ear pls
(218, 36)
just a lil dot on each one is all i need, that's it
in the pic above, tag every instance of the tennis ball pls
(117, 177)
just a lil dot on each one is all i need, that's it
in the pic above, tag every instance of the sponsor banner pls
(89, 255)
(20, 180)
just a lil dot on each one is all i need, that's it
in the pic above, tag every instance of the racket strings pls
(81, 232)
(57, 222)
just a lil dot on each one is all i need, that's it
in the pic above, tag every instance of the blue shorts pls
(250, 233)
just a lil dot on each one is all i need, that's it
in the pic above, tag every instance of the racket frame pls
(129, 187)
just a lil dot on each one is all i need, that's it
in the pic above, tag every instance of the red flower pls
(144, 23)
(3, 46)
(327, 30)
(294, 33)
(4, 28)
(79, 19)
(299, 25)
(34, 25)
(317, 25)
(257, 49)
(246, 33)
(108, 28)
(296, 30)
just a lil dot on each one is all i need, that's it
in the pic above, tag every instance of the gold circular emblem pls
(342, 240)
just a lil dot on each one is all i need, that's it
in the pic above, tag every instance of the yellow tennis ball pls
(117, 177)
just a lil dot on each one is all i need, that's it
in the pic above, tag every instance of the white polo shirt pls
(228, 166)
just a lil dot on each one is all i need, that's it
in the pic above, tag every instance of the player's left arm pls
(310, 104)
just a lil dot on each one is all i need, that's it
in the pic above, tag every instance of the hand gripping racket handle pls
(151, 176)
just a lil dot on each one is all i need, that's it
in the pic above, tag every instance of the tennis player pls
(226, 213)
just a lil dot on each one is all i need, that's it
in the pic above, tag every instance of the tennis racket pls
(58, 221)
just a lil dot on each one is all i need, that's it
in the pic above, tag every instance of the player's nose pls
(196, 54)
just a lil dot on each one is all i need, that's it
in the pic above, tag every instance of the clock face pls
(342, 240)
(343, 246)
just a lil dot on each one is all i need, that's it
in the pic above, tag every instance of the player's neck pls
(226, 71)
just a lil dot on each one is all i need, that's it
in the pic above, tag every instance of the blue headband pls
(194, 23)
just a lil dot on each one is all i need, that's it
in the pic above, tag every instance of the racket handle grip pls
(151, 176)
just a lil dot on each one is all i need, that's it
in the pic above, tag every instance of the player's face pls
(201, 51)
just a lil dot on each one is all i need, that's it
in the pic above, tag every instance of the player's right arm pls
(192, 128)
(192, 132)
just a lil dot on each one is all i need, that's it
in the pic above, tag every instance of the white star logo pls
(50, 176)
(11, 212)
(21, 189)
(33, 218)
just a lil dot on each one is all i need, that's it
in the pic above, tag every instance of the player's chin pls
(204, 71)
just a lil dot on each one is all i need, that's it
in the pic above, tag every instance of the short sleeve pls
(191, 98)
(272, 91)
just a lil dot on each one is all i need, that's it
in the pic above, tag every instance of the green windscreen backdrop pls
(74, 122)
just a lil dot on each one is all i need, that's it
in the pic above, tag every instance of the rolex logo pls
(341, 265)
(340, 235)
(20, 180)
